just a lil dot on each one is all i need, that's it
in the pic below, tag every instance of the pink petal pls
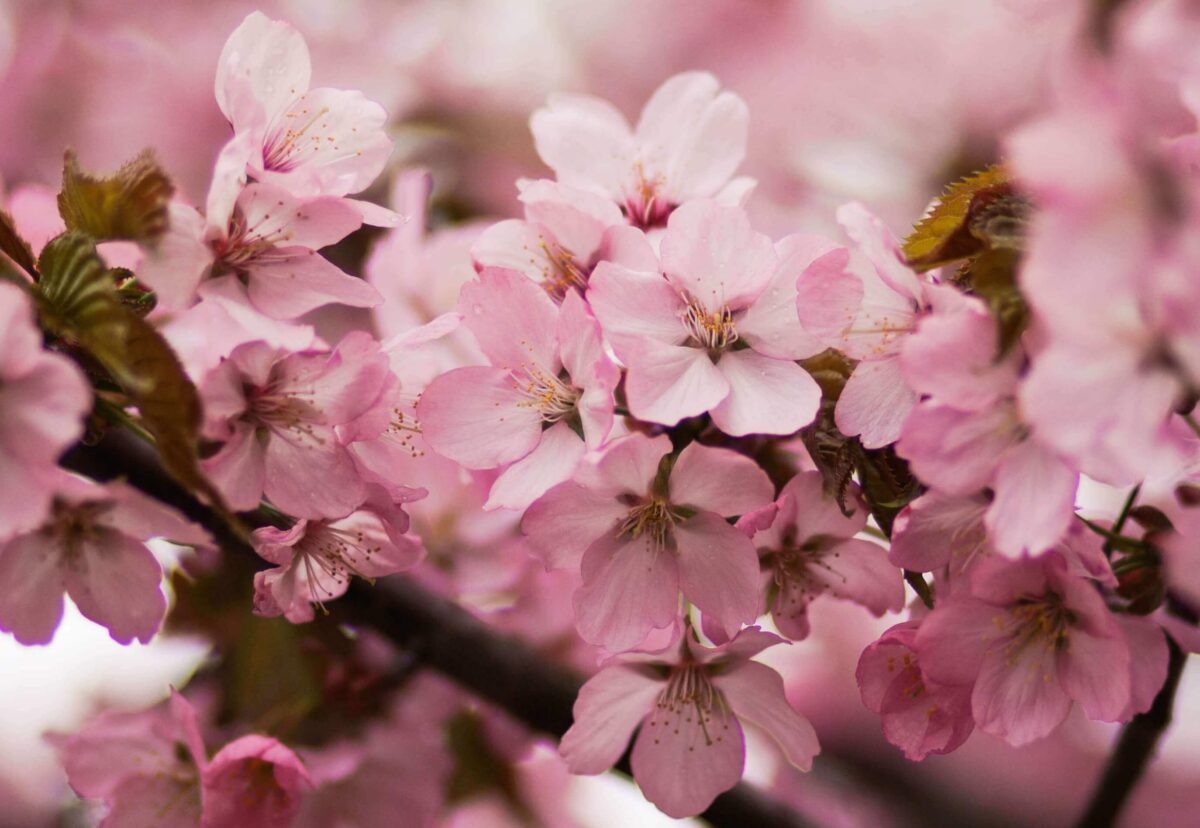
(238, 470)
(1034, 503)
(771, 325)
(31, 587)
(566, 520)
(474, 416)
(175, 265)
(874, 403)
(340, 153)
(633, 305)
(1094, 671)
(859, 571)
(1148, 665)
(518, 245)
(718, 480)
(295, 280)
(576, 218)
(228, 179)
(512, 319)
(609, 706)
(629, 248)
(766, 396)
(582, 349)
(629, 588)
(265, 58)
(682, 764)
(953, 638)
(881, 247)
(828, 297)
(718, 570)
(934, 529)
(272, 214)
(805, 503)
(756, 694)
(628, 466)
(585, 140)
(1018, 696)
(694, 134)
(236, 795)
(668, 383)
(293, 461)
(957, 451)
(161, 800)
(550, 463)
(117, 582)
(713, 254)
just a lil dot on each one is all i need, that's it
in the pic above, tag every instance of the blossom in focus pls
(1030, 638)
(710, 336)
(864, 302)
(44, 398)
(92, 547)
(644, 532)
(310, 142)
(549, 381)
(315, 559)
(277, 412)
(269, 245)
(690, 746)
(689, 141)
(919, 716)
(807, 548)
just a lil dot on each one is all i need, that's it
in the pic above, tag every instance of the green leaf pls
(130, 205)
(80, 305)
(15, 247)
(952, 229)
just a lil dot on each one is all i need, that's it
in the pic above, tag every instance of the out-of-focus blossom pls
(92, 547)
(254, 780)
(43, 400)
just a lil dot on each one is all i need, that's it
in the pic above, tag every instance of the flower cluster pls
(628, 427)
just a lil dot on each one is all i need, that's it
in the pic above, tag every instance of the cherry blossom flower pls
(1109, 254)
(277, 414)
(919, 716)
(566, 232)
(548, 376)
(690, 746)
(269, 246)
(807, 548)
(689, 140)
(938, 530)
(315, 559)
(310, 142)
(144, 766)
(92, 547)
(1030, 638)
(44, 398)
(254, 780)
(864, 302)
(967, 434)
(711, 335)
(643, 535)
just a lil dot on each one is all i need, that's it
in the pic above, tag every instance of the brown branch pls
(1134, 749)
(442, 635)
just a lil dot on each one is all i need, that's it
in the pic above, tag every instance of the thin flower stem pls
(1192, 424)
(1134, 749)
(118, 416)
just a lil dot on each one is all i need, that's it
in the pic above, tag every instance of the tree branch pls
(1134, 749)
(500, 668)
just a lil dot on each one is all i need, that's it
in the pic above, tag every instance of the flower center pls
(288, 411)
(1041, 620)
(564, 271)
(331, 554)
(653, 519)
(690, 701)
(299, 134)
(644, 206)
(714, 331)
(552, 397)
